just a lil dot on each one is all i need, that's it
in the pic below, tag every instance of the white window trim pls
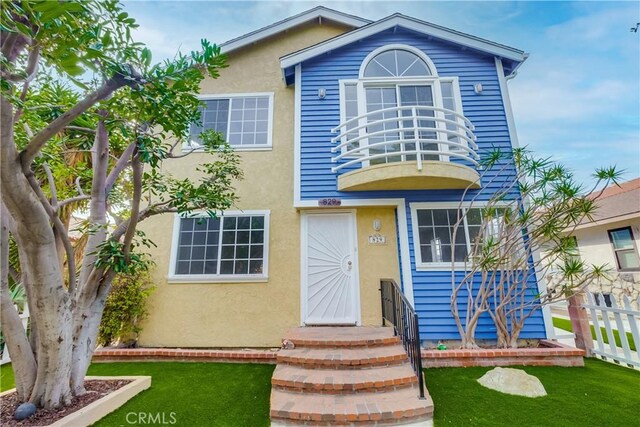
(361, 84)
(415, 232)
(172, 277)
(256, 147)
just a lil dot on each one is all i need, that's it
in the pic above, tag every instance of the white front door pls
(330, 294)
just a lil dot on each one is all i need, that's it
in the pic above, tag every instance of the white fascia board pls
(427, 28)
(286, 24)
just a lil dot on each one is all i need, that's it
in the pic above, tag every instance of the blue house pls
(359, 140)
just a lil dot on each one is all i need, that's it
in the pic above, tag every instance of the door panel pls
(330, 270)
(419, 95)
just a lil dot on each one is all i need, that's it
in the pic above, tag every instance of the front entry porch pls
(346, 376)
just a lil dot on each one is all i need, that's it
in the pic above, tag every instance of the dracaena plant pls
(525, 213)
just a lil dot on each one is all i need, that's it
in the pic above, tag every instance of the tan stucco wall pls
(241, 314)
(375, 261)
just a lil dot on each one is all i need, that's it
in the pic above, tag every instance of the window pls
(624, 249)
(404, 108)
(229, 247)
(433, 234)
(244, 120)
(396, 63)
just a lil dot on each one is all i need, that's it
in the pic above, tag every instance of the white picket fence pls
(25, 322)
(623, 319)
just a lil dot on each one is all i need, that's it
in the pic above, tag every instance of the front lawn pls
(600, 394)
(198, 394)
(565, 324)
(219, 394)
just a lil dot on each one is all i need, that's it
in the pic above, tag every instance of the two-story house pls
(357, 140)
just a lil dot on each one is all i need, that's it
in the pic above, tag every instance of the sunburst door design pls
(330, 269)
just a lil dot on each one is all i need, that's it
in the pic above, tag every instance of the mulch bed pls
(96, 389)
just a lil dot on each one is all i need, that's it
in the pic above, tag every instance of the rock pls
(24, 411)
(513, 381)
(287, 345)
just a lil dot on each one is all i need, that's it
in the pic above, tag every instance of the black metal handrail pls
(397, 311)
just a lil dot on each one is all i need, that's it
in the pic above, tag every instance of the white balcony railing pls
(409, 133)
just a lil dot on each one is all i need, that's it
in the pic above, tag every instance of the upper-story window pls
(624, 249)
(245, 120)
(399, 109)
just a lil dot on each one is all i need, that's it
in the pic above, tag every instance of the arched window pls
(397, 63)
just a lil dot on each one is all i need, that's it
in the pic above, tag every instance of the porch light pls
(322, 92)
(377, 224)
(477, 88)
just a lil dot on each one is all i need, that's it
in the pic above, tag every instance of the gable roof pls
(317, 13)
(616, 203)
(513, 55)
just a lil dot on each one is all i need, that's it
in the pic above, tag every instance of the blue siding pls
(432, 290)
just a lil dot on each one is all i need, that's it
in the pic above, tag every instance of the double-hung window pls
(244, 120)
(624, 249)
(231, 247)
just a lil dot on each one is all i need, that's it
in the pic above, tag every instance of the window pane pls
(628, 259)
(396, 63)
(244, 223)
(242, 251)
(257, 222)
(199, 238)
(249, 124)
(622, 239)
(255, 267)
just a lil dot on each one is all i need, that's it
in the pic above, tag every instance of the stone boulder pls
(513, 381)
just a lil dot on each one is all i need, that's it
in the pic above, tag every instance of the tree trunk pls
(85, 340)
(24, 364)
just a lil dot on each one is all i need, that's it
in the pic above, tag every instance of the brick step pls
(328, 336)
(393, 407)
(342, 381)
(343, 358)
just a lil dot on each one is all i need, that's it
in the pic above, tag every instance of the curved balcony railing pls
(408, 133)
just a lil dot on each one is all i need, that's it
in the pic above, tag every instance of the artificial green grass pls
(198, 394)
(6, 377)
(599, 394)
(218, 394)
(565, 324)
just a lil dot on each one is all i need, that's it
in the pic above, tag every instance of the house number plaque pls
(329, 202)
(377, 239)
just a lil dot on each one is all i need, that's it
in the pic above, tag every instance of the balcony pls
(406, 148)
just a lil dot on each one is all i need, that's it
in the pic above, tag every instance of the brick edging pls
(179, 354)
(550, 353)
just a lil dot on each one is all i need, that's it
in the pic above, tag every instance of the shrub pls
(125, 307)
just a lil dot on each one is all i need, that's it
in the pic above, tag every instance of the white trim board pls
(400, 20)
(297, 105)
(317, 13)
(403, 231)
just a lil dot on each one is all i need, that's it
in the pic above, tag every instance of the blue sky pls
(577, 97)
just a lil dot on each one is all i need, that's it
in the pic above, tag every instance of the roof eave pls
(319, 12)
(433, 30)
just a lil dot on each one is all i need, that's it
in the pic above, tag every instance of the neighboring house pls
(612, 237)
(325, 109)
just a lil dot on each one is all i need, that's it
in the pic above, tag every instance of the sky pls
(576, 98)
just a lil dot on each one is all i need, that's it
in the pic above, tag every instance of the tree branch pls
(40, 139)
(121, 164)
